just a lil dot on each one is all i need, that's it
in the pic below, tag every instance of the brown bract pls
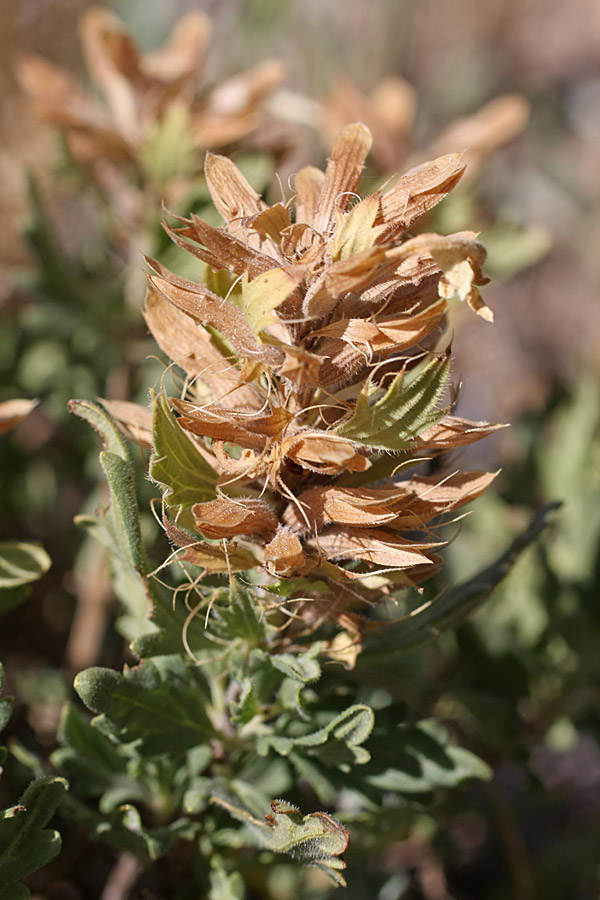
(315, 317)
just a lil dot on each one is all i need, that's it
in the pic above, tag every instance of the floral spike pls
(321, 352)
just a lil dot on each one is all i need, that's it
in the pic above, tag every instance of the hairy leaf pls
(390, 420)
(356, 231)
(303, 668)
(162, 704)
(118, 467)
(246, 707)
(264, 294)
(95, 764)
(316, 839)
(338, 743)
(176, 463)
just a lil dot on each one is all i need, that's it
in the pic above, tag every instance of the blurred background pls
(516, 84)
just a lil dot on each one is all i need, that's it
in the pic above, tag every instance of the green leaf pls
(168, 149)
(88, 757)
(21, 563)
(316, 839)
(243, 710)
(196, 797)
(123, 828)
(338, 743)
(100, 420)
(303, 668)
(391, 419)
(161, 704)
(155, 841)
(118, 530)
(233, 616)
(118, 467)
(417, 759)
(25, 844)
(176, 463)
(453, 605)
(241, 616)
(124, 507)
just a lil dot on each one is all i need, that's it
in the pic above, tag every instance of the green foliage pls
(391, 419)
(168, 151)
(219, 716)
(123, 517)
(223, 712)
(338, 742)
(417, 759)
(160, 704)
(176, 463)
(25, 843)
(316, 839)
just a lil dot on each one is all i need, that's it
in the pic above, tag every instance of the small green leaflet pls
(115, 459)
(391, 419)
(176, 463)
(338, 743)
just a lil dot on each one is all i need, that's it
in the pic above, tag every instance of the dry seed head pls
(311, 374)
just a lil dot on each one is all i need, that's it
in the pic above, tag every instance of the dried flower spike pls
(312, 375)
(151, 107)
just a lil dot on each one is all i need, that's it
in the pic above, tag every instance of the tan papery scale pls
(227, 518)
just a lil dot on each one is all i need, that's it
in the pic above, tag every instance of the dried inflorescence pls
(150, 101)
(312, 377)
